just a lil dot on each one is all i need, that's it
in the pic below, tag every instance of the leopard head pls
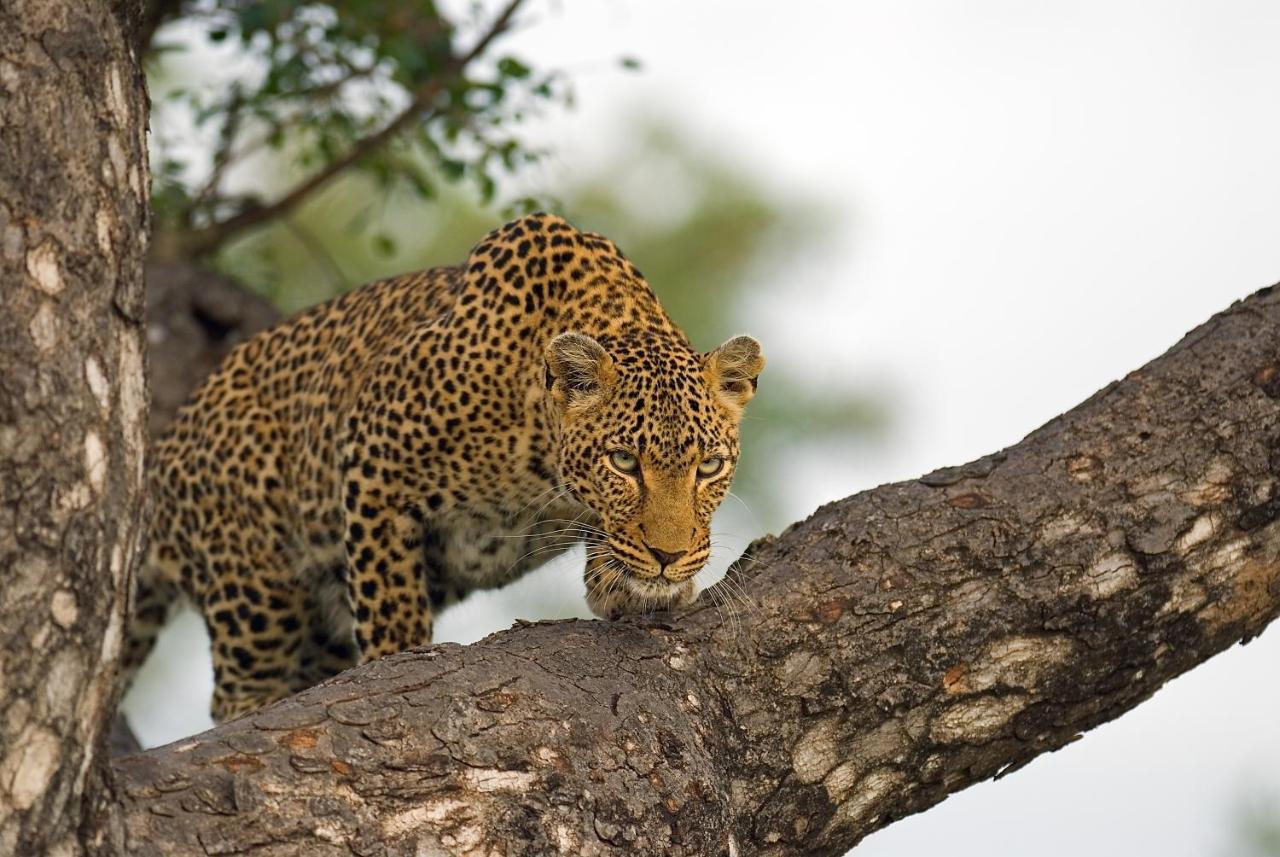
(649, 444)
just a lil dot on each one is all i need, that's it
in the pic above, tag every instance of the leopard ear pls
(732, 370)
(578, 370)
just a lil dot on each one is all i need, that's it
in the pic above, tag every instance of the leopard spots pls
(350, 472)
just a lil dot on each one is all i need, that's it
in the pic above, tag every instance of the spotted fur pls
(351, 471)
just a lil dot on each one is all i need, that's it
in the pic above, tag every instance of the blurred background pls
(948, 222)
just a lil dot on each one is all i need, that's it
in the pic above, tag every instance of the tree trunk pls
(902, 644)
(73, 407)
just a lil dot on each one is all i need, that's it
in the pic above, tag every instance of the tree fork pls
(903, 643)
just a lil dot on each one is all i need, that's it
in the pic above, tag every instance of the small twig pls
(222, 157)
(500, 25)
(325, 90)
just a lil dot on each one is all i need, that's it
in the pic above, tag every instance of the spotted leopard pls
(348, 473)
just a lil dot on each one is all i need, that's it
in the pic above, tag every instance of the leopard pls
(344, 476)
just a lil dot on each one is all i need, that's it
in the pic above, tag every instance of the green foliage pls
(319, 82)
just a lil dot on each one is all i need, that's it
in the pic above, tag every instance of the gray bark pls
(904, 643)
(73, 405)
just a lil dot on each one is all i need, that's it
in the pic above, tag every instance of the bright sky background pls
(1033, 198)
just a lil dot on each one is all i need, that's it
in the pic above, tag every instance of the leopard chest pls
(472, 551)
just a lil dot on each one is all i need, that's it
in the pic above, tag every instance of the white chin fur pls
(658, 593)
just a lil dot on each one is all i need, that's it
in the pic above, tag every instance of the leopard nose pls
(665, 558)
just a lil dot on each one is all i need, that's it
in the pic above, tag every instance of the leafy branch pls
(451, 106)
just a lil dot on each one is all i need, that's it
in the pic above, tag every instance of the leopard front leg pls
(387, 581)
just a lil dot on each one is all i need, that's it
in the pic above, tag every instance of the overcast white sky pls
(1033, 199)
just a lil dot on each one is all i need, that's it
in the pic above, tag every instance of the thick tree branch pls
(908, 641)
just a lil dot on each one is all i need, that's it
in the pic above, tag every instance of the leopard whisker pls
(537, 551)
(727, 612)
(559, 486)
(745, 554)
(579, 523)
(735, 590)
(754, 520)
(564, 531)
(564, 489)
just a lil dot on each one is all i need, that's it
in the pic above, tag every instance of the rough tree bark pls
(73, 406)
(905, 643)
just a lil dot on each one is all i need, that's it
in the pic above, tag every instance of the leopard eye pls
(623, 461)
(710, 466)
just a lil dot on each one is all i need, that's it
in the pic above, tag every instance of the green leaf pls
(487, 187)
(507, 152)
(419, 182)
(630, 63)
(384, 244)
(513, 68)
